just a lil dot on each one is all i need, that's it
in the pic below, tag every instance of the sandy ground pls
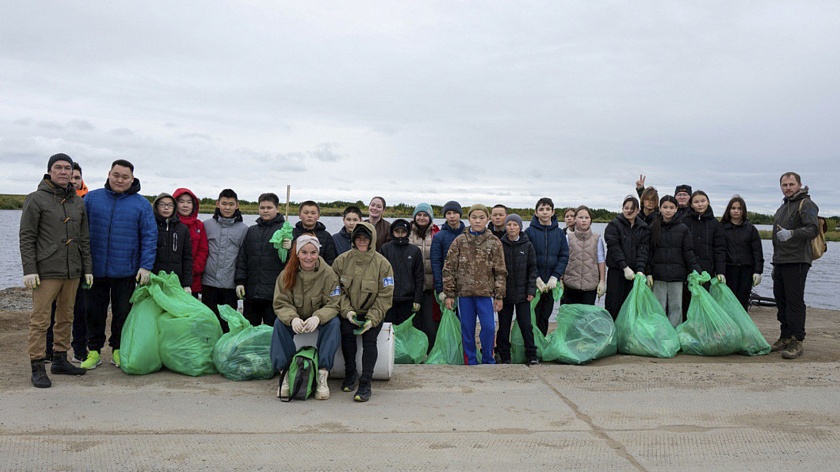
(622, 413)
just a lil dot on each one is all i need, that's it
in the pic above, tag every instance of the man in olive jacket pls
(794, 226)
(55, 252)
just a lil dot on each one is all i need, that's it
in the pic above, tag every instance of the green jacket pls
(315, 293)
(54, 241)
(367, 279)
(799, 214)
(475, 266)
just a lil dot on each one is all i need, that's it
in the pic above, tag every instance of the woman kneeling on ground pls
(367, 291)
(306, 298)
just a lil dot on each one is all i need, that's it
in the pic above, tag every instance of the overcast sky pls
(427, 101)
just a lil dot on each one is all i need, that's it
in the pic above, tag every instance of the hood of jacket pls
(802, 193)
(160, 219)
(318, 227)
(192, 216)
(47, 185)
(237, 217)
(135, 188)
(277, 220)
(707, 215)
(83, 190)
(343, 233)
(535, 223)
(639, 221)
(523, 238)
(364, 226)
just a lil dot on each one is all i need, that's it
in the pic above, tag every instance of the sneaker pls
(794, 349)
(39, 374)
(92, 360)
(61, 366)
(534, 362)
(363, 393)
(283, 390)
(349, 382)
(115, 357)
(780, 345)
(322, 391)
(78, 358)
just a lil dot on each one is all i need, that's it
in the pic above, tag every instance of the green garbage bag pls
(188, 330)
(410, 344)
(752, 341)
(517, 342)
(448, 348)
(642, 329)
(139, 341)
(243, 352)
(584, 333)
(708, 330)
(285, 232)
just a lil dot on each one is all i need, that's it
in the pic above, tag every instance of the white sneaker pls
(283, 391)
(322, 390)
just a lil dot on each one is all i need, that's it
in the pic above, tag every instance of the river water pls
(822, 289)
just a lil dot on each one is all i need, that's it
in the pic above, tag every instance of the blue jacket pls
(342, 241)
(440, 247)
(551, 247)
(123, 232)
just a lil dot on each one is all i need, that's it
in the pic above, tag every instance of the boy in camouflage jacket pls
(475, 273)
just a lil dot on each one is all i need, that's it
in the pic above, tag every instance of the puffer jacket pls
(341, 240)
(198, 236)
(224, 238)
(366, 279)
(626, 246)
(327, 251)
(521, 265)
(672, 257)
(475, 267)
(709, 240)
(649, 219)
(174, 248)
(440, 248)
(803, 221)
(258, 263)
(54, 241)
(425, 245)
(123, 232)
(316, 293)
(551, 247)
(407, 262)
(743, 246)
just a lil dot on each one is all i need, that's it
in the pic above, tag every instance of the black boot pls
(363, 393)
(61, 366)
(350, 378)
(39, 374)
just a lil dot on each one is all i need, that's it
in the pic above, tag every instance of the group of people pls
(85, 250)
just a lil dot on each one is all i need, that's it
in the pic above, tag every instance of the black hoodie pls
(407, 262)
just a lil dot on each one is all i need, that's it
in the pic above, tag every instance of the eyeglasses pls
(166, 205)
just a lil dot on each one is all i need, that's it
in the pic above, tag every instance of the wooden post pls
(288, 194)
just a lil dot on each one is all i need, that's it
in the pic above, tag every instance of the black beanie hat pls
(59, 157)
(452, 206)
(683, 188)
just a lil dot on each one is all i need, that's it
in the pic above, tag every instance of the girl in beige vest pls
(585, 274)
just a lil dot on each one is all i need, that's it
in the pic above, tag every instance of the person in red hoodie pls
(187, 206)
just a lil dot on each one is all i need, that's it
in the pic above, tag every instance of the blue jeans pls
(283, 344)
(470, 308)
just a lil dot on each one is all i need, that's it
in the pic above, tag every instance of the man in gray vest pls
(794, 226)
(55, 252)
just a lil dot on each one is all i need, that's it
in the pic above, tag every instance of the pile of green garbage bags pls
(410, 344)
(642, 327)
(584, 333)
(243, 352)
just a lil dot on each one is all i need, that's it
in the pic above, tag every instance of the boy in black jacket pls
(407, 261)
(521, 264)
(174, 248)
(309, 214)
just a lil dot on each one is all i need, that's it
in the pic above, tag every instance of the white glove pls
(722, 278)
(756, 280)
(287, 244)
(650, 281)
(188, 290)
(31, 281)
(540, 285)
(240, 291)
(311, 324)
(602, 289)
(552, 283)
(415, 307)
(143, 276)
(351, 317)
(783, 234)
(442, 298)
(89, 280)
(628, 273)
(298, 326)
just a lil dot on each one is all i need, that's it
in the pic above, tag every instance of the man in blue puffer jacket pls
(441, 242)
(123, 246)
(552, 257)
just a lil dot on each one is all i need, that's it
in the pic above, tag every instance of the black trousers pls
(79, 342)
(212, 297)
(523, 319)
(739, 280)
(617, 290)
(399, 312)
(369, 351)
(106, 290)
(258, 311)
(574, 296)
(789, 291)
(543, 311)
(425, 320)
